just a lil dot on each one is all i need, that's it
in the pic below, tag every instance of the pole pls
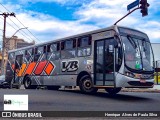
(3, 45)
(126, 15)
(5, 15)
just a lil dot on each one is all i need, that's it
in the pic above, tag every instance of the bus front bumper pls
(128, 82)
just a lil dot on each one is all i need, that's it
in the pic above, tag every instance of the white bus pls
(109, 58)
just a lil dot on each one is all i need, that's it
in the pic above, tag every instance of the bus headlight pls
(129, 74)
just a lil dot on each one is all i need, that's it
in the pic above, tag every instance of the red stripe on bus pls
(49, 68)
(40, 67)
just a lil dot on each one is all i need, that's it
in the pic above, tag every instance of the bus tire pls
(27, 83)
(85, 85)
(113, 91)
(11, 85)
(53, 87)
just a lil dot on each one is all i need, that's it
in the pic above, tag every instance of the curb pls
(140, 90)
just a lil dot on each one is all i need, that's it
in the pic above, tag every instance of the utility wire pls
(16, 29)
(29, 30)
(21, 23)
(21, 30)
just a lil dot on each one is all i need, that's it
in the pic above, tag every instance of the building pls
(156, 48)
(13, 43)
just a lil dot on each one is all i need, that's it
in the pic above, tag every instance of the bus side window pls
(44, 52)
(68, 49)
(48, 48)
(28, 54)
(32, 51)
(37, 53)
(19, 61)
(53, 52)
(11, 57)
(84, 46)
(44, 49)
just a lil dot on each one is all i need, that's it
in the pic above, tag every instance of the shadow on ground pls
(120, 96)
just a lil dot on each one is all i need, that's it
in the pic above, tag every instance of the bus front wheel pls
(86, 86)
(113, 91)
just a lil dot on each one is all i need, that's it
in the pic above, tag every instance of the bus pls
(110, 58)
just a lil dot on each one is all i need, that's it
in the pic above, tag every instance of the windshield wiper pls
(133, 43)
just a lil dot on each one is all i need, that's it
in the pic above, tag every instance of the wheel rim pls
(87, 84)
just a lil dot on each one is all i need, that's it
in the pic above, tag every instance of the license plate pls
(143, 81)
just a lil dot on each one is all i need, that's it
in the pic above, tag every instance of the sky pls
(52, 19)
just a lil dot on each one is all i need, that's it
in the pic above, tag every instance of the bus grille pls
(137, 83)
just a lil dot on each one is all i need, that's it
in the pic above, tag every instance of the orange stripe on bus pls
(22, 69)
(30, 68)
(49, 68)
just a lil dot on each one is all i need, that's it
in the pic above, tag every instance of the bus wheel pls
(18, 86)
(53, 87)
(85, 85)
(113, 90)
(27, 84)
(11, 85)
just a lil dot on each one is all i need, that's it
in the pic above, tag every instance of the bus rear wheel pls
(27, 83)
(113, 91)
(86, 86)
(53, 87)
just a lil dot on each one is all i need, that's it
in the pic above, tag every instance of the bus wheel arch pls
(28, 83)
(24, 78)
(80, 75)
(85, 83)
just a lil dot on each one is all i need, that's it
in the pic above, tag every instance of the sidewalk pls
(156, 89)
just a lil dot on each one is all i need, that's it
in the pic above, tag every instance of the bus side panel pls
(51, 73)
(10, 67)
(70, 69)
(9, 72)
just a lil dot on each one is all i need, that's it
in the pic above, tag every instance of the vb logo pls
(70, 66)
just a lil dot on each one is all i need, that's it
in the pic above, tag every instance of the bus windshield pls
(138, 54)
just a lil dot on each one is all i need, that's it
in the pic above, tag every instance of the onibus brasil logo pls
(14, 102)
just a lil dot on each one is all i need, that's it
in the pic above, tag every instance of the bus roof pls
(69, 37)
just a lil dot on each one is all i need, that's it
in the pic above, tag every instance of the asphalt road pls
(72, 100)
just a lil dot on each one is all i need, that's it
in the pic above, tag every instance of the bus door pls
(18, 64)
(104, 63)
